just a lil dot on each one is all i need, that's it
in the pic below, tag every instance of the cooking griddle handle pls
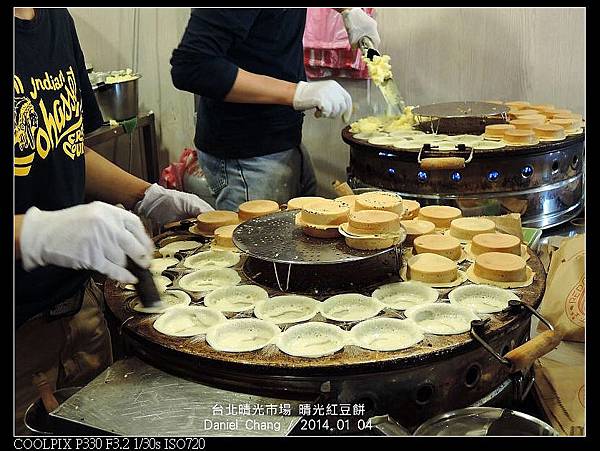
(432, 164)
(522, 357)
(437, 163)
(477, 331)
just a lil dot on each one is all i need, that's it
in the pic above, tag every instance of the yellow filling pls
(379, 68)
(388, 124)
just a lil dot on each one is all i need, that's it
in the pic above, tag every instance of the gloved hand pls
(94, 236)
(358, 24)
(327, 96)
(165, 205)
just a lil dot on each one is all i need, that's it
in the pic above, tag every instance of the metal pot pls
(118, 101)
(471, 421)
(39, 422)
(485, 421)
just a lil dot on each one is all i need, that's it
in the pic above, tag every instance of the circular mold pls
(402, 295)
(158, 265)
(442, 318)
(481, 298)
(242, 335)
(312, 340)
(169, 298)
(350, 307)
(212, 259)
(386, 334)
(187, 321)
(287, 309)
(209, 279)
(169, 250)
(235, 298)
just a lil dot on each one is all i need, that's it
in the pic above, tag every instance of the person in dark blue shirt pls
(247, 67)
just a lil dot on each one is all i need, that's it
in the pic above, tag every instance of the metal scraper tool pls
(388, 88)
(149, 296)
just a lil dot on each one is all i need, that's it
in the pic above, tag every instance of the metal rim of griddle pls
(436, 348)
(351, 374)
(447, 110)
(395, 152)
(276, 238)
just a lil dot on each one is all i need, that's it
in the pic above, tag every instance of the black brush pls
(145, 287)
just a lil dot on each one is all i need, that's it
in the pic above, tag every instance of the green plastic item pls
(531, 236)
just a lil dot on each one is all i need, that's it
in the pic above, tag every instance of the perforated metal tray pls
(276, 238)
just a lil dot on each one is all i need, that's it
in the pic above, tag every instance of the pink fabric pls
(327, 52)
(320, 63)
(172, 176)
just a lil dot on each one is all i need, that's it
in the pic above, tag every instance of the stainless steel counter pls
(134, 399)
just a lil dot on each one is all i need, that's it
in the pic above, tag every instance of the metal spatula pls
(388, 88)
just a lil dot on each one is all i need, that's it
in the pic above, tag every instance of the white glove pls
(358, 24)
(94, 236)
(165, 205)
(327, 96)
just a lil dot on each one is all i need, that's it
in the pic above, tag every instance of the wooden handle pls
(46, 393)
(342, 189)
(442, 163)
(523, 356)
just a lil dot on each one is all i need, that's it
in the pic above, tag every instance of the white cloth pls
(327, 96)
(95, 236)
(358, 24)
(165, 205)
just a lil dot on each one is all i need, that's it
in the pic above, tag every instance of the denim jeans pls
(279, 177)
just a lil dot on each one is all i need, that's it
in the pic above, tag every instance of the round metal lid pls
(276, 238)
(460, 109)
(485, 421)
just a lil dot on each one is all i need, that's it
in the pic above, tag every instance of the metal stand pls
(276, 239)
(287, 283)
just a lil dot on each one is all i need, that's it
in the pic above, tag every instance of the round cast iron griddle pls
(196, 352)
(276, 238)
(411, 154)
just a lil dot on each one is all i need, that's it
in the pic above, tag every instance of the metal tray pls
(276, 238)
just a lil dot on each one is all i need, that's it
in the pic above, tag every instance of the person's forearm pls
(109, 183)
(18, 225)
(253, 88)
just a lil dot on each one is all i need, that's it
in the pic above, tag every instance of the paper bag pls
(561, 391)
(563, 303)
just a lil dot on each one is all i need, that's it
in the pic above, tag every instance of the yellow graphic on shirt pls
(39, 128)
